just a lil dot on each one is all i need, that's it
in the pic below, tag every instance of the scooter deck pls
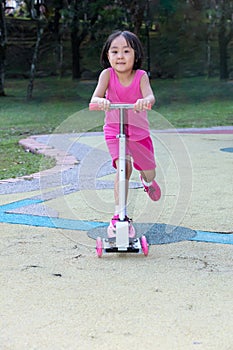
(109, 246)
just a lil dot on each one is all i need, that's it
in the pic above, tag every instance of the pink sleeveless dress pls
(138, 125)
(138, 141)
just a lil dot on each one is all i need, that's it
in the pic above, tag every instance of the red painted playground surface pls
(212, 130)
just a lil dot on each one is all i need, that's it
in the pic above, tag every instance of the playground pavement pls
(56, 294)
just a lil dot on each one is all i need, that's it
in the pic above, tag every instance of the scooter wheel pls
(99, 247)
(145, 246)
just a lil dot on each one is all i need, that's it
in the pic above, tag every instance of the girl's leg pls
(150, 185)
(148, 175)
(143, 155)
(128, 169)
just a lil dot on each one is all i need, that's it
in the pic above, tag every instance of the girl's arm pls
(100, 90)
(147, 93)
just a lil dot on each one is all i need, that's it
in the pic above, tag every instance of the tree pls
(134, 12)
(91, 19)
(79, 31)
(37, 13)
(58, 32)
(219, 14)
(84, 20)
(224, 10)
(3, 44)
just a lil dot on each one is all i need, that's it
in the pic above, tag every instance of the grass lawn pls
(193, 102)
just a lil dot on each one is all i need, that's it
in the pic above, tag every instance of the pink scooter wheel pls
(99, 247)
(145, 246)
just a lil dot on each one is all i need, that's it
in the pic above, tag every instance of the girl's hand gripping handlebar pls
(96, 107)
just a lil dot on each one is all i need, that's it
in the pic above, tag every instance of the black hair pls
(131, 39)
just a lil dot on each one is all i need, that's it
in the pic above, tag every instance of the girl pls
(122, 81)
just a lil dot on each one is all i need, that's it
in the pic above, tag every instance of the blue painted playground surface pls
(9, 214)
(82, 225)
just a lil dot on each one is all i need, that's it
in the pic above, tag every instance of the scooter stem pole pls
(122, 170)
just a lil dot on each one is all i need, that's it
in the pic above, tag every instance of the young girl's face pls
(120, 55)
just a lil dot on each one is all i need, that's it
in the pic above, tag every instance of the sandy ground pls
(55, 294)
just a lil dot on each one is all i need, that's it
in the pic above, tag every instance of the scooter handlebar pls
(95, 106)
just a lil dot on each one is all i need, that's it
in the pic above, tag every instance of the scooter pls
(122, 243)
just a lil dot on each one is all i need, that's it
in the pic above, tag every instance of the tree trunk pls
(2, 48)
(223, 43)
(59, 42)
(75, 42)
(209, 36)
(40, 31)
(223, 66)
(2, 75)
(208, 47)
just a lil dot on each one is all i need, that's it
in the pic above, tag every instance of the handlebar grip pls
(149, 107)
(94, 107)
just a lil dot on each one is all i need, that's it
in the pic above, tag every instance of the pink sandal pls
(153, 191)
(112, 227)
